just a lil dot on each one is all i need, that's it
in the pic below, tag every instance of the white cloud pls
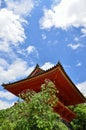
(6, 95)
(76, 39)
(44, 36)
(14, 71)
(65, 14)
(32, 49)
(47, 66)
(4, 104)
(83, 30)
(29, 70)
(21, 7)
(12, 21)
(79, 64)
(28, 51)
(18, 69)
(75, 46)
(82, 87)
(3, 63)
(4, 46)
(11, 29)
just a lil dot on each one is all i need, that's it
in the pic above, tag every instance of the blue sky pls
(43, 32)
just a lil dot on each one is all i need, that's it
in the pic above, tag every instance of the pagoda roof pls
(37, 70)
(68, 92)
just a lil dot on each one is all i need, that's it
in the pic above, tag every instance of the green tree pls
(40, 114)
(7, 125)
(80, 122)
(35, 112)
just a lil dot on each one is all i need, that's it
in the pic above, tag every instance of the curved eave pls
(68, 92)
(70, 81)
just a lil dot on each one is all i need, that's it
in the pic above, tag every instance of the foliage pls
(36, 112)
(80, 122)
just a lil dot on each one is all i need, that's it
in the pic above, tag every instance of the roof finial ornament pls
(37, 65)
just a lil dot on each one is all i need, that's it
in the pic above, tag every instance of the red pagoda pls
(68, 92)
